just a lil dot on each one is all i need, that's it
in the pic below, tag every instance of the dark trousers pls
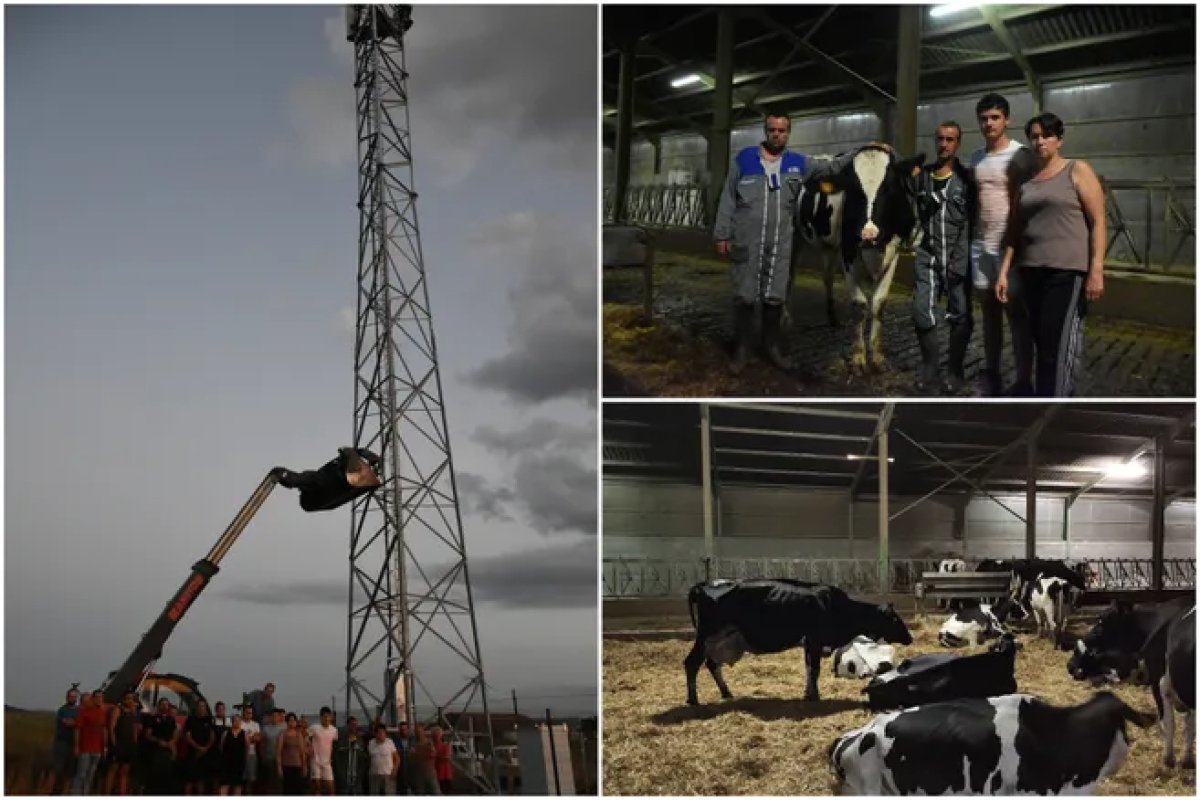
(1055, 301)
(928, 283)
(293, 781)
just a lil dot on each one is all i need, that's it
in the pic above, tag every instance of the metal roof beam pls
(978, 487)
(736, 451)
(882, 424)
(1014, 51)
(651, 110)
(828, 437)
(1009, 14)
(796, 472)
(875, 98)
(808, 411)
(1173, 430)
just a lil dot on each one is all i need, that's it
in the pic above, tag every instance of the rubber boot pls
(927, 373)
(773, 336)
(960, 337)
(743, 326)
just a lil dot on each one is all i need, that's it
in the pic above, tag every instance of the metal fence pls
(1156, 240)
(652, 577)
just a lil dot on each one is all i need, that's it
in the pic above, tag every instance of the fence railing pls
(1156, 241)
(623, 577)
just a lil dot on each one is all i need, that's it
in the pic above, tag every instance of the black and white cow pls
(1015, 744)
(934, 677)
(1161, 637)
(972, 626)
(819, 236)
(952, 565)
(772, 615)
(877, 220)
(1027, 570)
(1050, 600)
(863, 658)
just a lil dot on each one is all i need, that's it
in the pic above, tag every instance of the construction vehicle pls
(350, 475)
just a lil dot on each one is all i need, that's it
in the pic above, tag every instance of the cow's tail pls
(693, 601)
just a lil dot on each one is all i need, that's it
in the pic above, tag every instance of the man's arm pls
(727, 205)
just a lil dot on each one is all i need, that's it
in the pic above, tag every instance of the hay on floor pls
(766, 741)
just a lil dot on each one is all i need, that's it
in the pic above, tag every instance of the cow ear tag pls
(826, 187)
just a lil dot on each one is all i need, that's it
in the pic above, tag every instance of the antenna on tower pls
(412, 646)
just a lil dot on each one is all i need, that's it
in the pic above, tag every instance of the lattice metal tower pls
(412, 649)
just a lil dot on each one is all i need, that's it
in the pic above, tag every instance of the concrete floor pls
(692, 295)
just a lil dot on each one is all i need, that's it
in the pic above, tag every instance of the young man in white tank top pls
(999, 167)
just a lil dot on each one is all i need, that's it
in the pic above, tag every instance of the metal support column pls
(1031, 498)
(706, 477)
(624, 126)
(718, 137)
(908, 78)
(1066, 529)
(885, 583)
(1158, 523)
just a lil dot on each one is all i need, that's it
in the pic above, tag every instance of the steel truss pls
(412, 647)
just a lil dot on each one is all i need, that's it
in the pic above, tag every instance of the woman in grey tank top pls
(1056, 238)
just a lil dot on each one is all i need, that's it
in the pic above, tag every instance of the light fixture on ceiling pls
(855, 457)
(1126, 469)
(946, 9)
(686, 80)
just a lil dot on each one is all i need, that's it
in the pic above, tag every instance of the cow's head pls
(879, 203)
(889, 627)
(1102, 653)
(1009, 608)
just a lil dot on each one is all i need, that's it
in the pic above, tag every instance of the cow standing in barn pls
(772, 615)
(1013, 744)
(1162, 638)
(1050, 600)
(877, 220)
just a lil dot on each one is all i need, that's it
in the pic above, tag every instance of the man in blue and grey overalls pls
(756, 218)
(945, 198)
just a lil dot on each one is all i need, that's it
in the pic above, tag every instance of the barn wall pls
(1137, 127)
(664, 520)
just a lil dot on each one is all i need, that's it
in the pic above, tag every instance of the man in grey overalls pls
(945, 198)
(756, 218)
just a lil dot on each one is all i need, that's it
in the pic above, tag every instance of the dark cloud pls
(552, 344)
(479, 74)
(558, 576)
(557, 492)
(312, 592)
(478, 496)
(541, 434)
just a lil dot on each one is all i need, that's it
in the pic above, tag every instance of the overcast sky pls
(180, 267)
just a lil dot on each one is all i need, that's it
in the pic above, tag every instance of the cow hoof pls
(858, 364)
(726, 695)
(1188, 763)
(812, 698)
(1169, 762)
(691, 701)
(879, 364)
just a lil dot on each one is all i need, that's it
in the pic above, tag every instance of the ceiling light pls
(946, 9)
(854, 457)
(686, 80)
(1127, 469)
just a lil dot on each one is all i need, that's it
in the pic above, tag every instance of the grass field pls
(766, 741)
(27, 736)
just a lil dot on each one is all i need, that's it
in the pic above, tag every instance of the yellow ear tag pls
(826, 187)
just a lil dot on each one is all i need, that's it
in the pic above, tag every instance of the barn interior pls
(866, 496)
(685, 87)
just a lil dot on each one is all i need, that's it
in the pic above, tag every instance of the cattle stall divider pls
(625, 577)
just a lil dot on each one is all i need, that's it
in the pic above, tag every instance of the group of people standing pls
(1023, 228)
(212, 753)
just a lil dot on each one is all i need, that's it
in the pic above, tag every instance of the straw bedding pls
(766, 741)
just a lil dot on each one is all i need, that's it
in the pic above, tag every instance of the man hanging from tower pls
(756, 218)
(352, 474)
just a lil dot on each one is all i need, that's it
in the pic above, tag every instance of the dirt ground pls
(767, 741)
(684, 351)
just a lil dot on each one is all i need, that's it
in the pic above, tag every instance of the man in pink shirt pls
(999, 167)
(322, 738)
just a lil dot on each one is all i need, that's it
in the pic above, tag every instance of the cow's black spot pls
(850, 667)
(866, 743)
(930, 743)
(996, 781)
